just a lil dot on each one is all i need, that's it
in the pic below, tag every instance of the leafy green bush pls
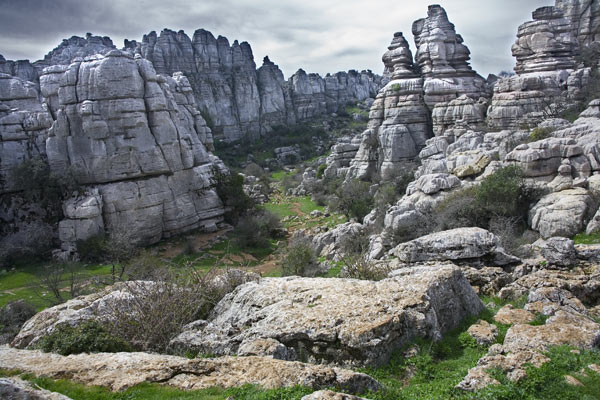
(88, 337)
(321, 171)
(93, 250)
(540, 133)
(12, 318)
(299, 258)
(230, 188)
(38, 183)
(353, 199)
(256, 230)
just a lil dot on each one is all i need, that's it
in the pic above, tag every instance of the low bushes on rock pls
(12, 317)
(299, 258)
(88, 337)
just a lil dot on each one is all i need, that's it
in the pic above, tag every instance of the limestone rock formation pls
(438, 91)
(443, 60)
(461, 244)
(241, 100)
(584, 16)
(119, 371)
(329, 395)
(76, 47)
(545, 51)
(366, 320)
(398, 121)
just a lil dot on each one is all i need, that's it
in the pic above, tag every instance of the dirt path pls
(200, 241)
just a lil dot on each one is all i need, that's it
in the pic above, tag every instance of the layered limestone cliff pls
(133, 139)
(244, 102)
(438, 91)
(547, 71)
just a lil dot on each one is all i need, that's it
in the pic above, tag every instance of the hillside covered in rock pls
(446, 246)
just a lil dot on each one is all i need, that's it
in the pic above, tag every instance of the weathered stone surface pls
(561, 329)
(244, 102)
(584, 287)
(433, 183)
(329, 395)
(483, 332)
(443, 60)
(509, 315)
(563, 213)
(18, 389)
(118, 371)
(311, 315)
(76, 47)
(559, 251)
(464, 112)
(103, 305)
(584, 16)
(461, 244)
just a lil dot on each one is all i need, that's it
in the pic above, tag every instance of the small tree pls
(299, 258)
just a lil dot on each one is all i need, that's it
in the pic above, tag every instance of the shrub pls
(540, 133)
(88, 337)
(501, 197)
(93, 249)
(299, 258)
(12, 318)
(353, 199)
(32, 240)
(256, 230)
(230, 188)
(38, 183)
(321, 171)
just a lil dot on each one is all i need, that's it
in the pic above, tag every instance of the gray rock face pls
(563, 213)
(461, 244)
(240, 100)
(399, 119)
(119, 371)
(584, 16)
(76, 47)
(443, 60)
(310, 315)
(441, 86)
(559, 251)
(138, 136)
(545, 51)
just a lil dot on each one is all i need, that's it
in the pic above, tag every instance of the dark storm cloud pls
(319, 36)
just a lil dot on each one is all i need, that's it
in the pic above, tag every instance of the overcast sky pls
(316, 35)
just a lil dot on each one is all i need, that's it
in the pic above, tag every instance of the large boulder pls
(564, 213)
(119, 371)
(461, 244)
(342, 321)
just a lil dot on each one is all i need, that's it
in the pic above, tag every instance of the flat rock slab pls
(329, 395)
(461, 244)
(119, 371)
(341, 321)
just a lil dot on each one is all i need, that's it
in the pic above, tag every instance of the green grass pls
(278, 176)
(150, 391)
(282, 210)
(583, 238)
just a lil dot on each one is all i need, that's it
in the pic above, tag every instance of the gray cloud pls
(308, 34)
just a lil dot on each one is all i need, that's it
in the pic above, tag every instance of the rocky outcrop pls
(461, 244)
(398, 121)
(567, 323)
(240, 100)
(545, 51)
(119, 371)
(76, 47)
(584, 17)
(120, 127)
(329, 395)
(18, 389)
(313, 316)
(443, 60)
(438, 91)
